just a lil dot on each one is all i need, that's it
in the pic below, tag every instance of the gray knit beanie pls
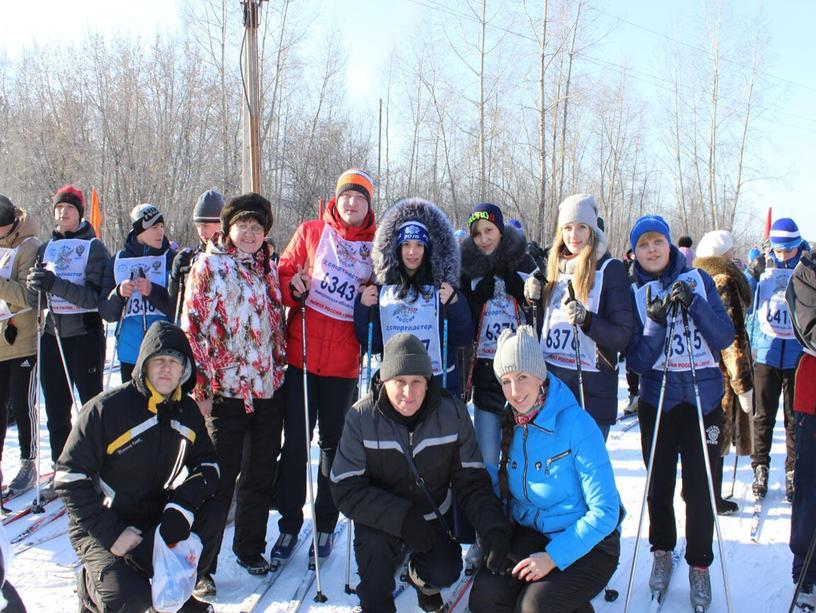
(208, 208)
(404, 354)
(579, 208)
(519, 352)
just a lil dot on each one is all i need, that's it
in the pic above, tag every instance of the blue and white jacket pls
(560, 478)
(771, 350)
(648, 342)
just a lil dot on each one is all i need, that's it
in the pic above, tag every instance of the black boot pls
(724, 507)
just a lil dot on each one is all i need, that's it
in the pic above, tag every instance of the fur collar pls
(509, 255)
(444, 248)
(716, 265)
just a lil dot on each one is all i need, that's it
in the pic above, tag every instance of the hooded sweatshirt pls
(19, 251)
(129, 445)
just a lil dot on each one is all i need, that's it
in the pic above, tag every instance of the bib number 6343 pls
(332, 285)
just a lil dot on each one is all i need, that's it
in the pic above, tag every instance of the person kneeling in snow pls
(117, 469)
(409, 424)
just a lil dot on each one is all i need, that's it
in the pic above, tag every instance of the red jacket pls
(332, 347)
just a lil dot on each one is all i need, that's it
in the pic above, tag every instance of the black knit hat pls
(404, 355)
(247, 205)
(208, 208)
(8, 212)
(71, 195)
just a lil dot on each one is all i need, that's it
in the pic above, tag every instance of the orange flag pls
(96, 213)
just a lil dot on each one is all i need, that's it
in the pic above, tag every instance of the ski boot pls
(760, 485)
(205, 587)
(428, 598)
(632, 407)
(662, 568)
(325, 542)
(25, 479)
(806, 601)
(727, 507)
(788, 486)
(700, 589)
(194, 605)
(282, 550)
(254, 565)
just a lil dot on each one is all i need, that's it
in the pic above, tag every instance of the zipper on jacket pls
(524, 475)
(554, 459)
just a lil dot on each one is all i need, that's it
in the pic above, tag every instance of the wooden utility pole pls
(251, 107)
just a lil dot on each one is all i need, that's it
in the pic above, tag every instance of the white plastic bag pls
(174, 572)
(8, 556)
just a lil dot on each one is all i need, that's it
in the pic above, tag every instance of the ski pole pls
(116, 332)
(650, 464)
(803, 572)
(62, 355)
(142, 275)
(36, 504)
(469, 382)
(576, 344)
(177, 317)
(319, 596)
(444, 345)
(733, 478)
(712, 497)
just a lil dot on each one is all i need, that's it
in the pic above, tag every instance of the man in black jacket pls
(118, 468)
(408, 415)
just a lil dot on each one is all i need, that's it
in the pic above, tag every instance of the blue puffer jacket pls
(769, 350)
(561, 479)
(648, 343)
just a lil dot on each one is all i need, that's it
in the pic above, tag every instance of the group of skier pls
(267, 350)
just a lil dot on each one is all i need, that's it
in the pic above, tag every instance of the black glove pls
(757, 267)
(10, 333)
(40, 279)
(514, 285)
(682, 293)
(495, 547)
(173, 527)
(417, 533)
(484, 289)
(181, 264)
(656, 309)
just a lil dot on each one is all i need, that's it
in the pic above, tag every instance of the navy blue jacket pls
(648, 343)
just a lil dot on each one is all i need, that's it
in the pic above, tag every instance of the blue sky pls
(637, 36)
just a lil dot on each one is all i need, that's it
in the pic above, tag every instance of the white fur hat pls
(715, 244)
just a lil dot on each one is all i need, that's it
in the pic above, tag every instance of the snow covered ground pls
(759, 573)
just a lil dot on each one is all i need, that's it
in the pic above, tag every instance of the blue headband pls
(413, 231)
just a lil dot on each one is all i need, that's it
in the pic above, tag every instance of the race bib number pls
(773, 314)
(340, 267)
(679, 351)
(419, 317)
(152, 267)
(67, 258)
(500, 313)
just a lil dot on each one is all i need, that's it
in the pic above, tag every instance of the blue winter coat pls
(133, 329)
(460, 333)
(648, 343)
(560, 478)
(768, 350)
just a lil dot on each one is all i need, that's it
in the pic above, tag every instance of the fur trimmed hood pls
(444, 248)
(509, 255)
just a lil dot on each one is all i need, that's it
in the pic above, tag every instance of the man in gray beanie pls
(412, 420)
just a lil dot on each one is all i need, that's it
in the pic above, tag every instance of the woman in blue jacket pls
(600, 312)
(556, 478)
(416, 269)
(664, 278)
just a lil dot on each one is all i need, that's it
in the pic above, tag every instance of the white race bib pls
(420, 318)
(557, 334)
(127, 269)
(7, 258)
(773, 314)
(68, 259)
(500, 312)
(678, 351)
(340, 267)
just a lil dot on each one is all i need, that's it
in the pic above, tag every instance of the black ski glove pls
(484, 289)
(514, 285)
(416, 532)
(173, 527)
(181, 264)
(40, 279)
(656, 309)
(496, 546)
(682, 293)
(10, 333)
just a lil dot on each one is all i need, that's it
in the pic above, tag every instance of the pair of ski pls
(25, 537)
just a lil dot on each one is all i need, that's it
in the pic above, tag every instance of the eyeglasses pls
(245, 228)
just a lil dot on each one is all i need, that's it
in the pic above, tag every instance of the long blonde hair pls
(584, 277)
